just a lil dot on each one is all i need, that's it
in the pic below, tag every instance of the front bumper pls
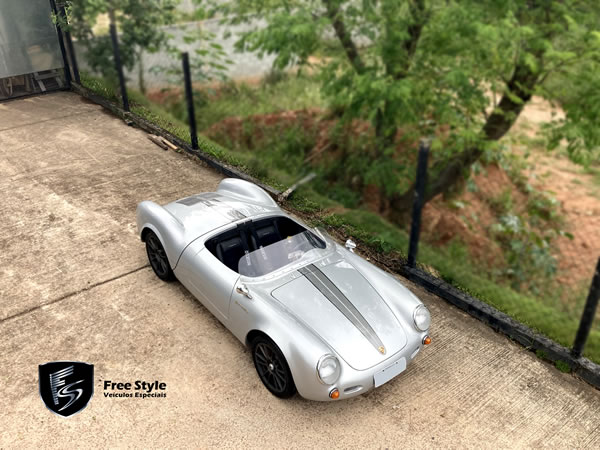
(356, 382)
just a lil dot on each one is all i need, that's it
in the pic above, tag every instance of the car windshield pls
(273, 257)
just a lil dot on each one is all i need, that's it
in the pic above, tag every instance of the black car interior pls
(230, 246)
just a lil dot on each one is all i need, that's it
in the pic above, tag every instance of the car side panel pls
(207, 279)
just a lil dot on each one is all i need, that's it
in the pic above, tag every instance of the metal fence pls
(586, 322)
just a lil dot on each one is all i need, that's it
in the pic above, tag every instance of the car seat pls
(230, 251)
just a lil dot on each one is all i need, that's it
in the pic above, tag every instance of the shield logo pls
(66, 387)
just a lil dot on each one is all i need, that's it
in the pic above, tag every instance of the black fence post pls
(73, 57)
(118, 64)
(589, 311)
(61, 44)
(189, 96)
(420, 184)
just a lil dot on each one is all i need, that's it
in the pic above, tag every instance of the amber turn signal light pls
(426, 340)
(334, 394)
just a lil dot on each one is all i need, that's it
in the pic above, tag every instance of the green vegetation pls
(415, 66)
(141, 27)
(527, 251)
(562, 366)
(196, 15)
(527, 239)
(278, 92)
(139, 23)
(503, 203)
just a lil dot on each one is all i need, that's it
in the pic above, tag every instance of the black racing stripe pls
(341, 302)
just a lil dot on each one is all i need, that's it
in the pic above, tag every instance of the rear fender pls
(165, 225)
(245, 191)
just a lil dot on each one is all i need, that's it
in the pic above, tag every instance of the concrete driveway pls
(75, 285)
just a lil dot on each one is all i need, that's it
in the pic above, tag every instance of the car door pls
(207, 278)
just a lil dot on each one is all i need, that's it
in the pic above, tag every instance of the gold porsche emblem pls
(381, 350)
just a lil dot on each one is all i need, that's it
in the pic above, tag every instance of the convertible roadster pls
(318, 318)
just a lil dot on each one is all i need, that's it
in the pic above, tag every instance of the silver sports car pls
(318, 319)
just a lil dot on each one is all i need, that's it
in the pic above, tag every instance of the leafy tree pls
(461, 70)
(139, 23)
(141, 28)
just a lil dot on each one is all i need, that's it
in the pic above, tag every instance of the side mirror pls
(350, 245)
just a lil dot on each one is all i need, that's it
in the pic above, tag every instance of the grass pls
(562, 366)
(281, 92)
(277, 160)
(503, 202)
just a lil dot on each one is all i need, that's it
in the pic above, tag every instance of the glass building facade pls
(30, 57)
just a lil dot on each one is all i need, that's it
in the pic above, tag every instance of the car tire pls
(158, 257)
(272, 368)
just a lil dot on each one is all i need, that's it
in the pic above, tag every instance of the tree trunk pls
(345, 38)
(445, 174)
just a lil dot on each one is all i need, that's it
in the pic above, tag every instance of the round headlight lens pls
(328, 369)
(422, 318)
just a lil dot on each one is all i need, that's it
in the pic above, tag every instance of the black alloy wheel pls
(158, 258)
(272, 368)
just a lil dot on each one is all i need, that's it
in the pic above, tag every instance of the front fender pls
(301, 348)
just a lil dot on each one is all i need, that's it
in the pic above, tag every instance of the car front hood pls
(340, 305)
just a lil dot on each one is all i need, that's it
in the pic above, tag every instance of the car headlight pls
(328, 369)
(422, 318)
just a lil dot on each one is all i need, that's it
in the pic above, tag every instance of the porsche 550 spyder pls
(319, 319)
